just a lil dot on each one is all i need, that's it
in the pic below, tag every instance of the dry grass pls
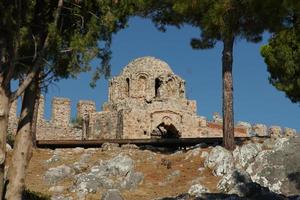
(151, 166)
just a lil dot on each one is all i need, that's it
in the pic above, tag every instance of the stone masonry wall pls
(61, 112)
(84, 108)
(147, 100)
(112, 125)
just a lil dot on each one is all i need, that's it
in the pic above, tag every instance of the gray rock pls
(269, 143)
(132, 180)
(110, 146)
(220, 160)
(117, 172)
(197, 190)
(53, 159)
(231, 179)
(279, 169)
(129, 146)
(112, 194)
(57, 189)
(120, 165)
(204, 154)
(54, 175)
(246, 153)
(61, 197)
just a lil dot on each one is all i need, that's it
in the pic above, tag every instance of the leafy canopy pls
(282, 53)
(82, 32)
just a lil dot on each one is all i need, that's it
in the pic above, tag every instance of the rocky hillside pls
(257, 169)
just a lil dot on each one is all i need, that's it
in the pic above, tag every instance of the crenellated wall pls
(147, 100)
(111, 125)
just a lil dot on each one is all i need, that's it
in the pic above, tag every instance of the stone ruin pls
(147, 100)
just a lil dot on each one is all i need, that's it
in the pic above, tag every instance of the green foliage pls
(67, 39)
(217, 19)
(282, 56)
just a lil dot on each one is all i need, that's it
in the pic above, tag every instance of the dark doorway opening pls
(165, 131)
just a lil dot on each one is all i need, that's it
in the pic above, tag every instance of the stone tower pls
(146, 100)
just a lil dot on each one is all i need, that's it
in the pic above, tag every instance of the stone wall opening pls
(164, 130)
(158, 83)
(127, 87)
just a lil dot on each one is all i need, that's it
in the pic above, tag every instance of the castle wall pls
(103, 125)
(84, 108)
(61, 112)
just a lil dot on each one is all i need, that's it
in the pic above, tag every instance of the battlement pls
(147, 100)
(61, 127)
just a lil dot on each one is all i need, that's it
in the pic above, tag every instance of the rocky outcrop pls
(56, 174)
(245, 154)
(220, 161)
(112, 194)
(279, 168)
(117, 172)
(197, 190)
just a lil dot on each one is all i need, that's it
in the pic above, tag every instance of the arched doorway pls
(165, 130)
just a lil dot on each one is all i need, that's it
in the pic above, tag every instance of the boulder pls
(53, 159)
(220, 160)
(132, 180)
(110, 146)
(117, 173)
(279, 169)
(231, 179)
(246, 153)
(55, 174)
(57, 189)
(197, 190)
(112, 194)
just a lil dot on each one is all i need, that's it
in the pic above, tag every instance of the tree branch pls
(39, 60)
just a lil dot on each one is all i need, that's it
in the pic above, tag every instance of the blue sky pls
(255, 100)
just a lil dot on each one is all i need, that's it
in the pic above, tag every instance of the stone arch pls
(172, 88)
(166, 124)
(142, 84)
(166, 129)
(158, 84)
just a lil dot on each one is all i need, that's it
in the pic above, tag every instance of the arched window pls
(127, 87)
(158, 83)
(142, 85)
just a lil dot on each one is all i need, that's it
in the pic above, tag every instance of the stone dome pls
(148, 65)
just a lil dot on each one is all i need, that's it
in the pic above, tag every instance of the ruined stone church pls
(146, 100)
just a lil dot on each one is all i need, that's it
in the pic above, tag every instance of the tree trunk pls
(4, 110)
(23, 146)
(228, 120)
